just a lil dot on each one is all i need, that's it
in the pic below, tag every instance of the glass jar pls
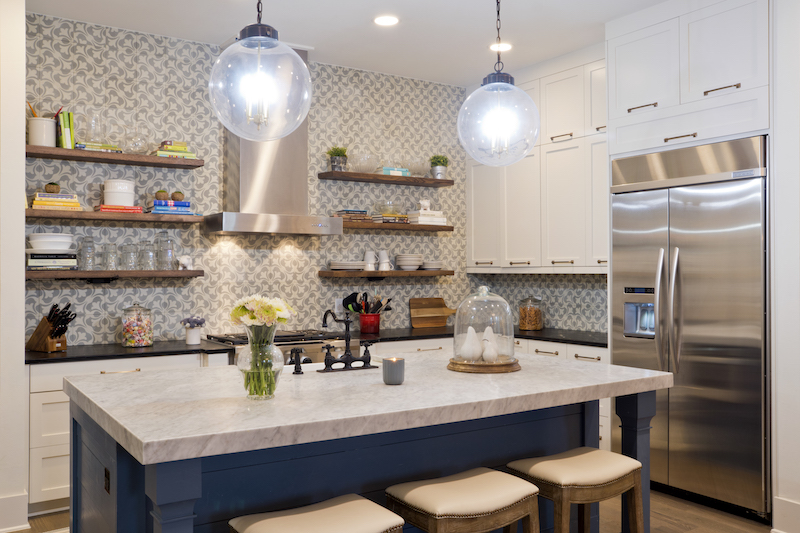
(531, 314)
(137, 326)
(87, 254)
(130, 257)
(110, 258)
(484, 329)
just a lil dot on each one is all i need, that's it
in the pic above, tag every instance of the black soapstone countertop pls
(96, 352)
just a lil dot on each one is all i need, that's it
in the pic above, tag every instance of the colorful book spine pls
(122, 208)
(71, 118)
(171, 211)
(52, 262)
(174, 143)
(58, 207)
(54, 196)
(53, 256)
(390, 171)
(173, 148)
(68, 203)
(161, 153)
(52, 267)
(169, 203)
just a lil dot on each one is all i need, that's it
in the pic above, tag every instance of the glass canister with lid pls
(531, 314)
(484, 331)
(137, 326)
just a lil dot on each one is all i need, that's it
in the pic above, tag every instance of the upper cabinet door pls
(562, 106)
(484, 187)
(521, 210)
(644, 70)
(594, 77)
(597, 228)
(532, 88)
(724, 49)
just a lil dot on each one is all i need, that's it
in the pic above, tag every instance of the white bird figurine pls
(490, 351)
(471, 349)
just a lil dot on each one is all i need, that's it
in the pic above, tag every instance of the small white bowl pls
(53, 241)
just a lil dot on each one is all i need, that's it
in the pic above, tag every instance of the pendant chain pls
(258, 6)
(498, 67)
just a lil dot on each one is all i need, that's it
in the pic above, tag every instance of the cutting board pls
(429, 312)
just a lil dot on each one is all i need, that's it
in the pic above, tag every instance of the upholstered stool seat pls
(583, 476)
(474, 501)
(346, 514)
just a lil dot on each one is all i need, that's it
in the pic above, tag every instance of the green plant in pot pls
(439, 166)
(338, 155)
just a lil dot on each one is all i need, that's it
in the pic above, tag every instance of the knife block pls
(40, 341)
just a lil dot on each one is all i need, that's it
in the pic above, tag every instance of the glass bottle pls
(110, 259)
(147, 259)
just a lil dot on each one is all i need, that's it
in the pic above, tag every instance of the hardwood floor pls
(669, 514)
(48, 522)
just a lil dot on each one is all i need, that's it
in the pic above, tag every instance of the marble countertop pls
(161, 416)
(585, 338)
(94, 352)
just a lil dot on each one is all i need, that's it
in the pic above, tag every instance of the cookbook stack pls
(431, 218)
(52, 260)
(353, 215)
(169, 207)
(56, 202)
(177, 149)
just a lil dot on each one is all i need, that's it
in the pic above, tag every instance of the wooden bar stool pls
(584, 476)
(475, 501)
(346, 514)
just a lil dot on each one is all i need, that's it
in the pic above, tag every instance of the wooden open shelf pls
(381, 178)
(383, 273)
(111, 275)
(105, 216)
(394, 226)
(46, 152)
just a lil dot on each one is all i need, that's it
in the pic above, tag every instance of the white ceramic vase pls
(193, 335)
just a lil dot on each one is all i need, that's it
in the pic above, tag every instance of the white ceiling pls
(445, 41)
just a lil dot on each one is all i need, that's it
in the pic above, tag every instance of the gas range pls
(281, 337)
(311, 341)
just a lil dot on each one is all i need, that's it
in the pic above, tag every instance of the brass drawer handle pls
(601, 261)
(121, 371)
(484, 262)
(734, 86)
(537, 350)
(571, 261)
(553, 138)
(519, 263)
(598, 128)
(654, 104)
(668, 139)
(517, 343)
(428, 349)
(587, 358)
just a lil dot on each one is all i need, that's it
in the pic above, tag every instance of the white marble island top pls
(160, 416)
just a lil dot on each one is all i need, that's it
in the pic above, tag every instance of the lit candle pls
(393, 370)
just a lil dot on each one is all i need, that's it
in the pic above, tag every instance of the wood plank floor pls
(48, 522)
(669, 514)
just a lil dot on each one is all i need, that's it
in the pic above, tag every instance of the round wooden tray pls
(503, 365)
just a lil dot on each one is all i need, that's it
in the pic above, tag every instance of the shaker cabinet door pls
(594, 78)
(644, 70)
(532, 88)
(597, 227)
(724, 49)
(562, 106)
(522, 243)
(484, 187)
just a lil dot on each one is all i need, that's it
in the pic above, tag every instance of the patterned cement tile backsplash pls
(132, 77)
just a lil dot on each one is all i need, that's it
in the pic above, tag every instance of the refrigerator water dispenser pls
(640, 320)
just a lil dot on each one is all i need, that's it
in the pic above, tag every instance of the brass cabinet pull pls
(598, 128)
(654, 104)
(587, 358)
(428, 349)
(537, 350)
(601, 261)
(562, 135)
(517, 343)
(570, 262)
(668, 139)
(121, 371)
(734, 86)
(484, 262)
(519, 263)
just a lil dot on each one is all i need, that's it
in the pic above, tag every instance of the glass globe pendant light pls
(498, 124)
(260, 89)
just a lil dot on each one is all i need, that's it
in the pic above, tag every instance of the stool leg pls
(510, 528)
(530, 523)
(634, 500)
(561, 512)
(584, 517)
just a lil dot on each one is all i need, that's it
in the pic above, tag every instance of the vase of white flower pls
(261, 362)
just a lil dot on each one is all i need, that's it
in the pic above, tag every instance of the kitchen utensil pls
(429, 312)
(349, 300)
(51, 315)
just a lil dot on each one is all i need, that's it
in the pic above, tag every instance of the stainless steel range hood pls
(265, 188)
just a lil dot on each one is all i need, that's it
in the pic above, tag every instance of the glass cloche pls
(484, 331)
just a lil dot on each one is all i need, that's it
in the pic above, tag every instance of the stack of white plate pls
(409, 261)
(432, 265)
(347, 265)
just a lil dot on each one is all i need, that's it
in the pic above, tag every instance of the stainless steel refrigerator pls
(688, 295)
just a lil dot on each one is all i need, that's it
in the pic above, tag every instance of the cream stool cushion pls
(473, 493)
(346, 514)
(580, 467)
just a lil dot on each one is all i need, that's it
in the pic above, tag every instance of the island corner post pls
(113, 492)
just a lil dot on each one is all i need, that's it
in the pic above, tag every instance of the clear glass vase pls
(261, 362)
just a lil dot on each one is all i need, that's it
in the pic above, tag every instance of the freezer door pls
(638, 302)
(716, 411)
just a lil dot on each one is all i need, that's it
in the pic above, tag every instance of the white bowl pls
(52, 241)
(407, 267)
(364, 163)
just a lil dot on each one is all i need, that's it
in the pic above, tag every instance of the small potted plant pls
(193, 324)
(338, 155)
(439, 166)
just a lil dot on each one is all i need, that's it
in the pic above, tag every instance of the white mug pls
(370, 257)
(385, 265)
(369, 266)
(383, 257)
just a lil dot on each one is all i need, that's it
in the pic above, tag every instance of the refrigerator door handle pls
(657, 310)
(675, 324)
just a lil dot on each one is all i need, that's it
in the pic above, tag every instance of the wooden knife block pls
(40, 341)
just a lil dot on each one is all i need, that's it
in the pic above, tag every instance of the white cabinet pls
(532, 88)
(484, 187)
(521, 346)
(724, 48)
(562, 110)
(595, 355)
(49, 473)
(382, 349)
(643, 70)
(548, 349)
(594, 92)
(565, 193)
(597, 229)
(521, 239)
(49, 419)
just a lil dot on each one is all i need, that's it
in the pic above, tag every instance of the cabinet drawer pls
(49, 377)
(215, 359)
(588, 354)
(49, 419)
(49, 473)
(433, 346)
(550, 349)
(521, 346)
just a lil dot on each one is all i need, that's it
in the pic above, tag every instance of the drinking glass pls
(130, 257)
(87, 254)
(110, 258)
(166, 254)
(147, 259)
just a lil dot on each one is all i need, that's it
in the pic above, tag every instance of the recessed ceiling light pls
(386, 20)
(502, 47)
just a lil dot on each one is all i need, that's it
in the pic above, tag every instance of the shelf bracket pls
(97, 281)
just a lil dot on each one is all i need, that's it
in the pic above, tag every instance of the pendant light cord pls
(258, 6)
(498, 67)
